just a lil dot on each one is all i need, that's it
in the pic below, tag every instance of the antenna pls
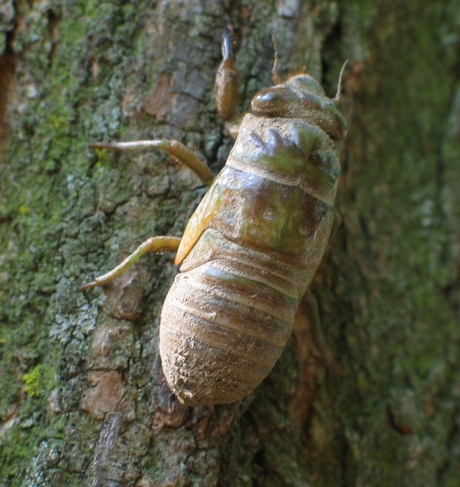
(276, 79)
(339, 86)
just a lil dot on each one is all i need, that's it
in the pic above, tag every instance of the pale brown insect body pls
(253, 245)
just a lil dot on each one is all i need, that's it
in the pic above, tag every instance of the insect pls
(254, 243)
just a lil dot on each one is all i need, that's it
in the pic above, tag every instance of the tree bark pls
(367, 390)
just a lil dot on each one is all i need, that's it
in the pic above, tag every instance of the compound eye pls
(272, 101)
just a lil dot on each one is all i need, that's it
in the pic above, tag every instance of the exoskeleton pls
(254, 243)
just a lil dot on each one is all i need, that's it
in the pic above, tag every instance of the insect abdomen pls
(225, 323)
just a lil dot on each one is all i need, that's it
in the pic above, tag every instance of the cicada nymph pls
(254, 243)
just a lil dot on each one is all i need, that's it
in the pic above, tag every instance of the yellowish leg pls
(226, 87)
(194, 160)
(153, 244)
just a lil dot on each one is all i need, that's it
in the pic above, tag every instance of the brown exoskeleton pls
(251, 248)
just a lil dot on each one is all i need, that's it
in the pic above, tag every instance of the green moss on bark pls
(380, 390)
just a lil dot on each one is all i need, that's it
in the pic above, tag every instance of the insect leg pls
(226, 85)
(194, 160)
(152, 244)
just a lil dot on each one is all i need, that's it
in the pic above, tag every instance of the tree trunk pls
(367, 390)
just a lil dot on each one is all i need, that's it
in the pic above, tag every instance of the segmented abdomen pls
(251, 248)
(225, 323)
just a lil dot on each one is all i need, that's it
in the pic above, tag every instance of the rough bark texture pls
(367, 391)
